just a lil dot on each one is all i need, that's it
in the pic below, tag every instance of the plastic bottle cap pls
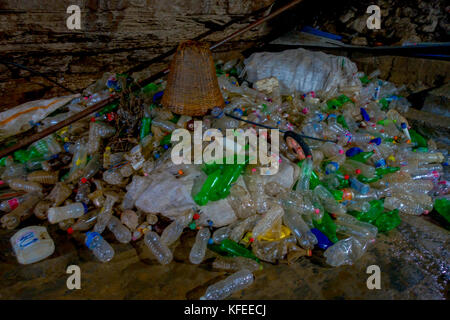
(403, 125)
(70, 230)
(196, 216)
(93, 119)
(180, 172)
(316, 211)
(358, 171)
(83, 180)
(341, 151)
(85, 207)
(346, 177)
(90, 235)
(251, 239)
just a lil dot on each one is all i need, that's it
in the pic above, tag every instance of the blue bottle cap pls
(66, 146)
(364, 114)
(217, 112)
(353, 151)
(380, 163)
(322, 240)
(158, 96)
(238, 112)
(85, 207)
(89, 237)
(403, 125)
(332, 115)
(377, 141)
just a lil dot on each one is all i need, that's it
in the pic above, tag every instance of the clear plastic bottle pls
(345, 251)
(255, 185)
(85, 222)
(306, 239)
(241, 202)
(269, 218)
(327, 200)
(11, 204)
(59, 193)
(101, 249)
(359, 186)
(243, 226)
(221, 233)
(225, 288)
(130, 219)
(198, 250)
(12, 219)
(352, 167)
(236, 264)
(41, 209)
(92, 167)
(174, 230)
(74, 210)
(161, 252)
(97, 131)
(404, 206)
(43, 177)
(106, 211)
(305, 175)
(27, 186)
(122, 233)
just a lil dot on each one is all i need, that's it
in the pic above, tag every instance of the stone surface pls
(414, 262)
(115, 35)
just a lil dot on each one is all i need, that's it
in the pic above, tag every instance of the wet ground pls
(414, 262)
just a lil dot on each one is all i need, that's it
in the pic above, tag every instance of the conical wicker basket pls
(192, 88)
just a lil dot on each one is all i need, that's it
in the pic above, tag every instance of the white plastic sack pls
(17, 119)
(166, 195)
(302, 70)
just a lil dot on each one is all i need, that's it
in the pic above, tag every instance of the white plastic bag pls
(21, 118)
(302, 70)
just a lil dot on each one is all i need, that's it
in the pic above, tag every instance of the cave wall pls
(115, 35)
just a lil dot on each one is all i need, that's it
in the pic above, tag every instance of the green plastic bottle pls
(388, 220)
(166, 140)
(145, 127)
(327, 227)
(234, 249)
(109, 108)
(229, 175)
(375, 211)
(364, 179)
(442, 206)
(417, 139)
(342, 122)
(202, 197)
(387, 170)
(363, 156)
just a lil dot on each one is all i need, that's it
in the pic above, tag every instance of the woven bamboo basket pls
(192, 88)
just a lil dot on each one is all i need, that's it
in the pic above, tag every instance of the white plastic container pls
(32, 244)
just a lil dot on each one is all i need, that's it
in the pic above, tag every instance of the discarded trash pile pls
(113, 171)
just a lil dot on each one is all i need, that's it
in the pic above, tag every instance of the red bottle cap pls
(358, 171)
(196, 216)
(70, 230)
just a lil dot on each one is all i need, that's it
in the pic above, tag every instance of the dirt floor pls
(414, 262)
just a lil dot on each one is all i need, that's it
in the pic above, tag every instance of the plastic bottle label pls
(26, 240)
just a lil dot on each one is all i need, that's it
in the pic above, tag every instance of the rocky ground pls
(414, 263)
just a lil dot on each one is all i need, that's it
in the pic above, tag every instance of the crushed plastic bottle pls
(223, 289)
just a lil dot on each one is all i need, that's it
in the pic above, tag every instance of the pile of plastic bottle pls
(340, 196)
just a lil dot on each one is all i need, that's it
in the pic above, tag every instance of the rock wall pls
(115, 35)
